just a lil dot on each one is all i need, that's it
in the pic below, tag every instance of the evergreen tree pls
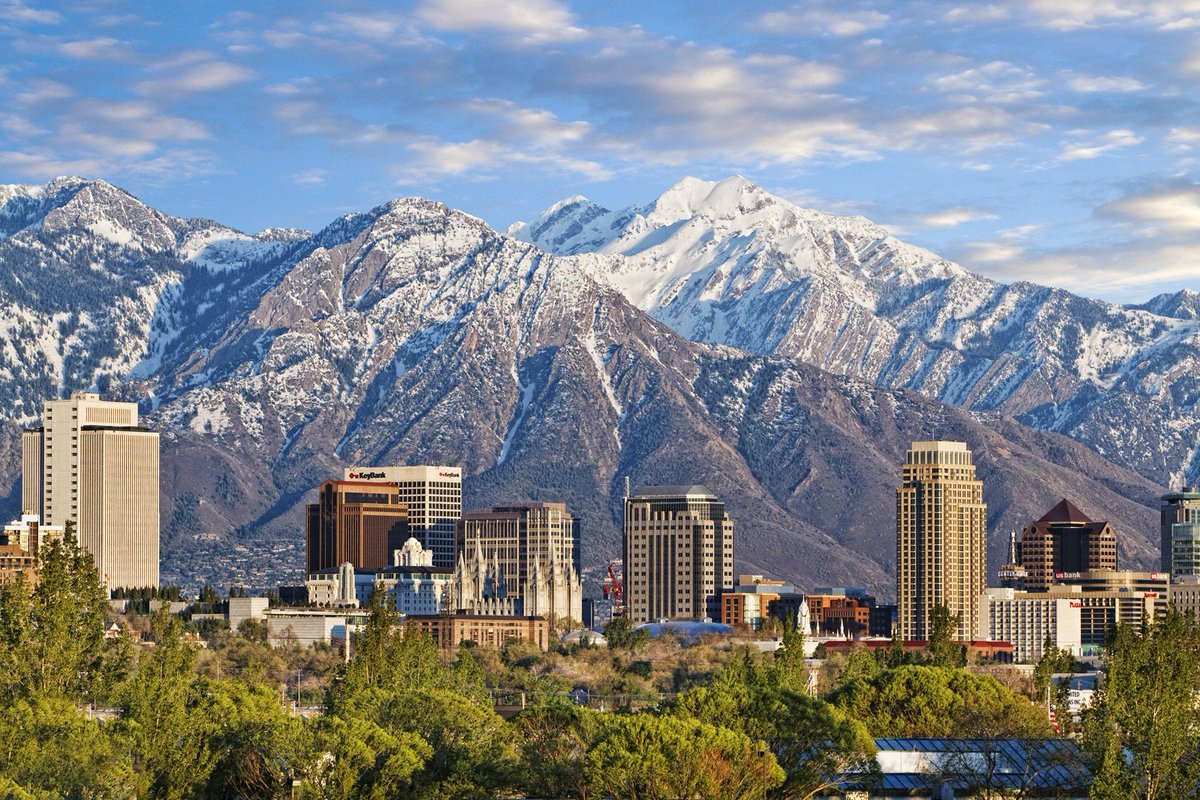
(162, 718)
(942, 649)
(52, 635)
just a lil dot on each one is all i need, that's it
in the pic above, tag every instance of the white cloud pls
(534, 126)
(1124, 273)
(1089, 83)
(16, 11)
(1184, 136)
(994, 82)
(1173, 209)
(532, 21)
(991, 252)
(203, 77)
(43, 91)
(42, 166)
(1113, 140)
(975, 14)
(1191, 65)
(1070, 15)
(953, 217)
(974, 128)
(310, 177)
(837, 22)
(433, 158)
(100, 48)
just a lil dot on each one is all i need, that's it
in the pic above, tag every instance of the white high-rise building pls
(91, 464)
(434, 498)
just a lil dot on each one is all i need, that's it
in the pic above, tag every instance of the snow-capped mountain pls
(729, 263)
(415, 333)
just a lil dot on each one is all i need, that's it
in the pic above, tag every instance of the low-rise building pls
(412, 584)
(309, 626)
(21, 544)
(448, 631)
(1029, 619)
(241, 609)
(750, 601)
(1185, 594)
(840, 610)
(1109, 597)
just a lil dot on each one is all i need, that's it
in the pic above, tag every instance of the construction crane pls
(613, 588)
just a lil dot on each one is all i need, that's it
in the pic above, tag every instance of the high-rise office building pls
(678, 556)
(1065, 540)
(434, 498)
(91, 464)
(941, 538)
(532, 549)
(356, 522)
(1179, 532)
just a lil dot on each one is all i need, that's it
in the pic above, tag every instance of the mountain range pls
(720, 335)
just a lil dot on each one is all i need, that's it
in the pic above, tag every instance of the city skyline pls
(1048, 141)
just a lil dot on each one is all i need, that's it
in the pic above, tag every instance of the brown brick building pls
(448, 631)
(1065, 540)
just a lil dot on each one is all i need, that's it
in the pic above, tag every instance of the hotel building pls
(941, 552)
(1028, 619)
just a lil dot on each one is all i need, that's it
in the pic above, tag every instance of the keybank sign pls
(398, 473)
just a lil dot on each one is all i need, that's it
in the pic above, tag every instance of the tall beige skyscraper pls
(678, 553)
(941, 538)
(91, 464)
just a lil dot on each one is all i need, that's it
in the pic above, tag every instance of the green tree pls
(622, 634)
(473, 752)
(1053, 662)
(921, 700)
(389, 657)
(790, 670)
(360, 759)
(258, 747)
(816, 745)
(555, 741)
(649, 757)
(52, 636)
(162, 719)
(943, 649)
(48, 749)
(1141, 733)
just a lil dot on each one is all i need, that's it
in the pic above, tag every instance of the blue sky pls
(1046, 140)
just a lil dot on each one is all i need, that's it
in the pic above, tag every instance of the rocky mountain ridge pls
(729, 263)
(415, 333)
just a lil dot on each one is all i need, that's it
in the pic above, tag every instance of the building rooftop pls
(1066, 511)
(692, 490)
(386, 570)
(512, 509)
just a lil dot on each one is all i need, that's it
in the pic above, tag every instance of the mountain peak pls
(691, 197)
(1184, 304)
